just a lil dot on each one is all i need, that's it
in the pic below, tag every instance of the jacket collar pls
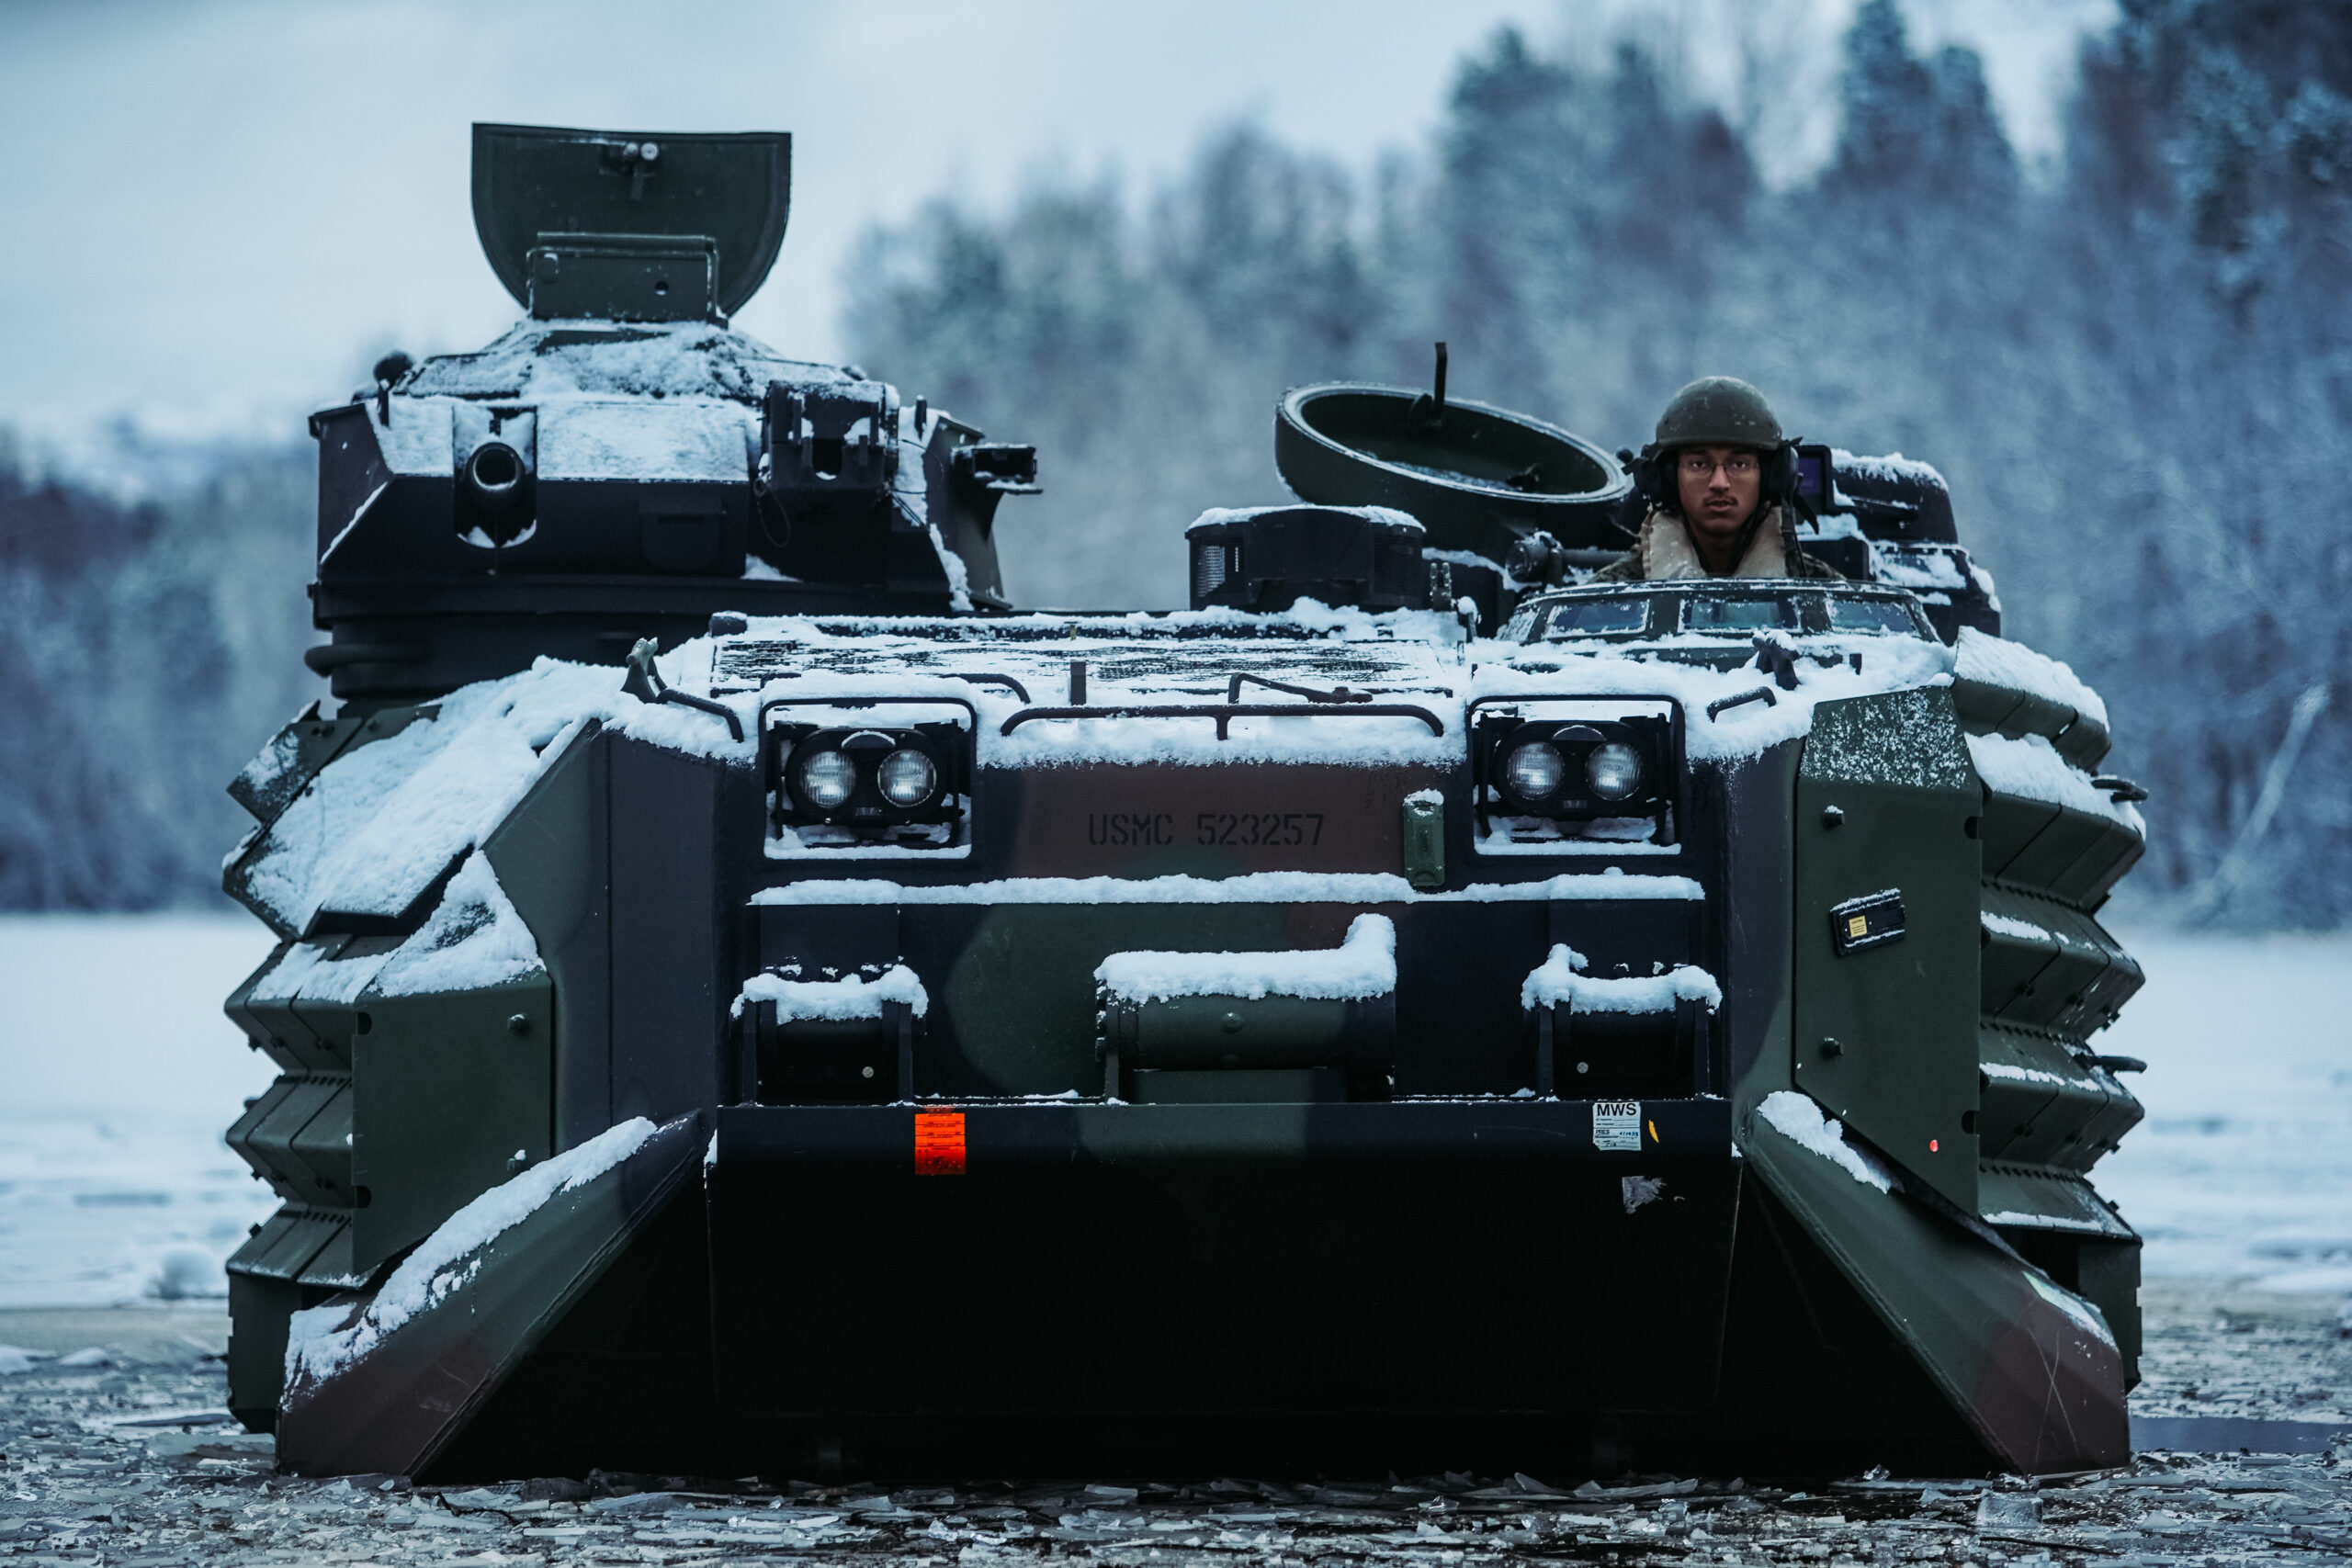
(1666, 552)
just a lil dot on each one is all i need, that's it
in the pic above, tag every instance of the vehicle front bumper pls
(1035, 1257)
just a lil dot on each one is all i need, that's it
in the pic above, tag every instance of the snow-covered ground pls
(117, 1074)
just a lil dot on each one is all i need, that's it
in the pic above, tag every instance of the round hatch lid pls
(1477, 478)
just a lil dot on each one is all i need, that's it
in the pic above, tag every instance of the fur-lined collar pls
(1666, 552)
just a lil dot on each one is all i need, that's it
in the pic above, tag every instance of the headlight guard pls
(1609, 765)
(807, 761)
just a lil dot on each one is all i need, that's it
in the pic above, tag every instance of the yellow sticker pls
(1857, 925)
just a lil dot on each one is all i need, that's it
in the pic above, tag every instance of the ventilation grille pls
(1211, 565)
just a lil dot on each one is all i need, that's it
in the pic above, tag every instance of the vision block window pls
(1889, 615)
(1706, 614)
(1597, 618)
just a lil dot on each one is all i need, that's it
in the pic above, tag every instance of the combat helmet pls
(1717, 411)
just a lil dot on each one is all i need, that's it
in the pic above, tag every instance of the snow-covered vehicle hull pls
(943, 1037)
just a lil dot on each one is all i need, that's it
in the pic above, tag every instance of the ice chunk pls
(1796, 1117)
(1363, 965)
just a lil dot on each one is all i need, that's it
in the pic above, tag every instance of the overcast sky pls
(219, 210)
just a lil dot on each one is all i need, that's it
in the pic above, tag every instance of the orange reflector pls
(1931, 1145)
(939, 1143)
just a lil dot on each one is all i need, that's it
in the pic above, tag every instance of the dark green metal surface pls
(1883, 1037)
(397, 1406)
(532, 181)
(2040, 1390)
(1020, 1209)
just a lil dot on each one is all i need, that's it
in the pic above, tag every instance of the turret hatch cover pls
(734, 188)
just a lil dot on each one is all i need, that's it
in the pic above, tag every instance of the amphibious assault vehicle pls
(748, 998)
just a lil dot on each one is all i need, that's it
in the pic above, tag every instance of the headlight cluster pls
(1576, 769)
(873, 779)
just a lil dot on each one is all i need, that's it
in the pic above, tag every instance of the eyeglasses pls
(1738, 466)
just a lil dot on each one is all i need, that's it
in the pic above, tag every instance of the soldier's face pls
(1719, 486)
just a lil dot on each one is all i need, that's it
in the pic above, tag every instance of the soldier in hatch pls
(1718, 506)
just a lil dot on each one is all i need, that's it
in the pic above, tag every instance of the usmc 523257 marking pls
(1158, 830)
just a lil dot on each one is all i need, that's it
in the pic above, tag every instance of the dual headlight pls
(1535, 769)
(867, 778)
(1574, 768)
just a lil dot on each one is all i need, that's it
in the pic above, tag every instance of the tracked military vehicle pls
(748, 998)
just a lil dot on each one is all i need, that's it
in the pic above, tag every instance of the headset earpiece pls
(1652, 472)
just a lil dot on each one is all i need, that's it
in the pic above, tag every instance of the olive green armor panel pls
(450, 1096)
(1887, 802)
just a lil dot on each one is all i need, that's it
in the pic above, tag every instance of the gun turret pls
(622, 464)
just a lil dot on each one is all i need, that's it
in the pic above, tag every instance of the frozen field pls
(118, 1074)
(2244, 1167)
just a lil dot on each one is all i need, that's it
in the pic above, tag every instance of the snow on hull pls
(2084, 1316)
(851, 997)
(2006, 925)
(1889, 664)
(2013, 667)
(1371, 742)
(324, 1340)
(380, 822)
(473, 937)
(540, 363)
(1363, 965)
(1410, 656)
(1797, 1118)
(2033, 768)
(1256, 887)
(1894, 466)
(1559, 980)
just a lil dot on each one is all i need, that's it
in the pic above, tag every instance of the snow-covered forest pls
(149, 650)
(2134, 362)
